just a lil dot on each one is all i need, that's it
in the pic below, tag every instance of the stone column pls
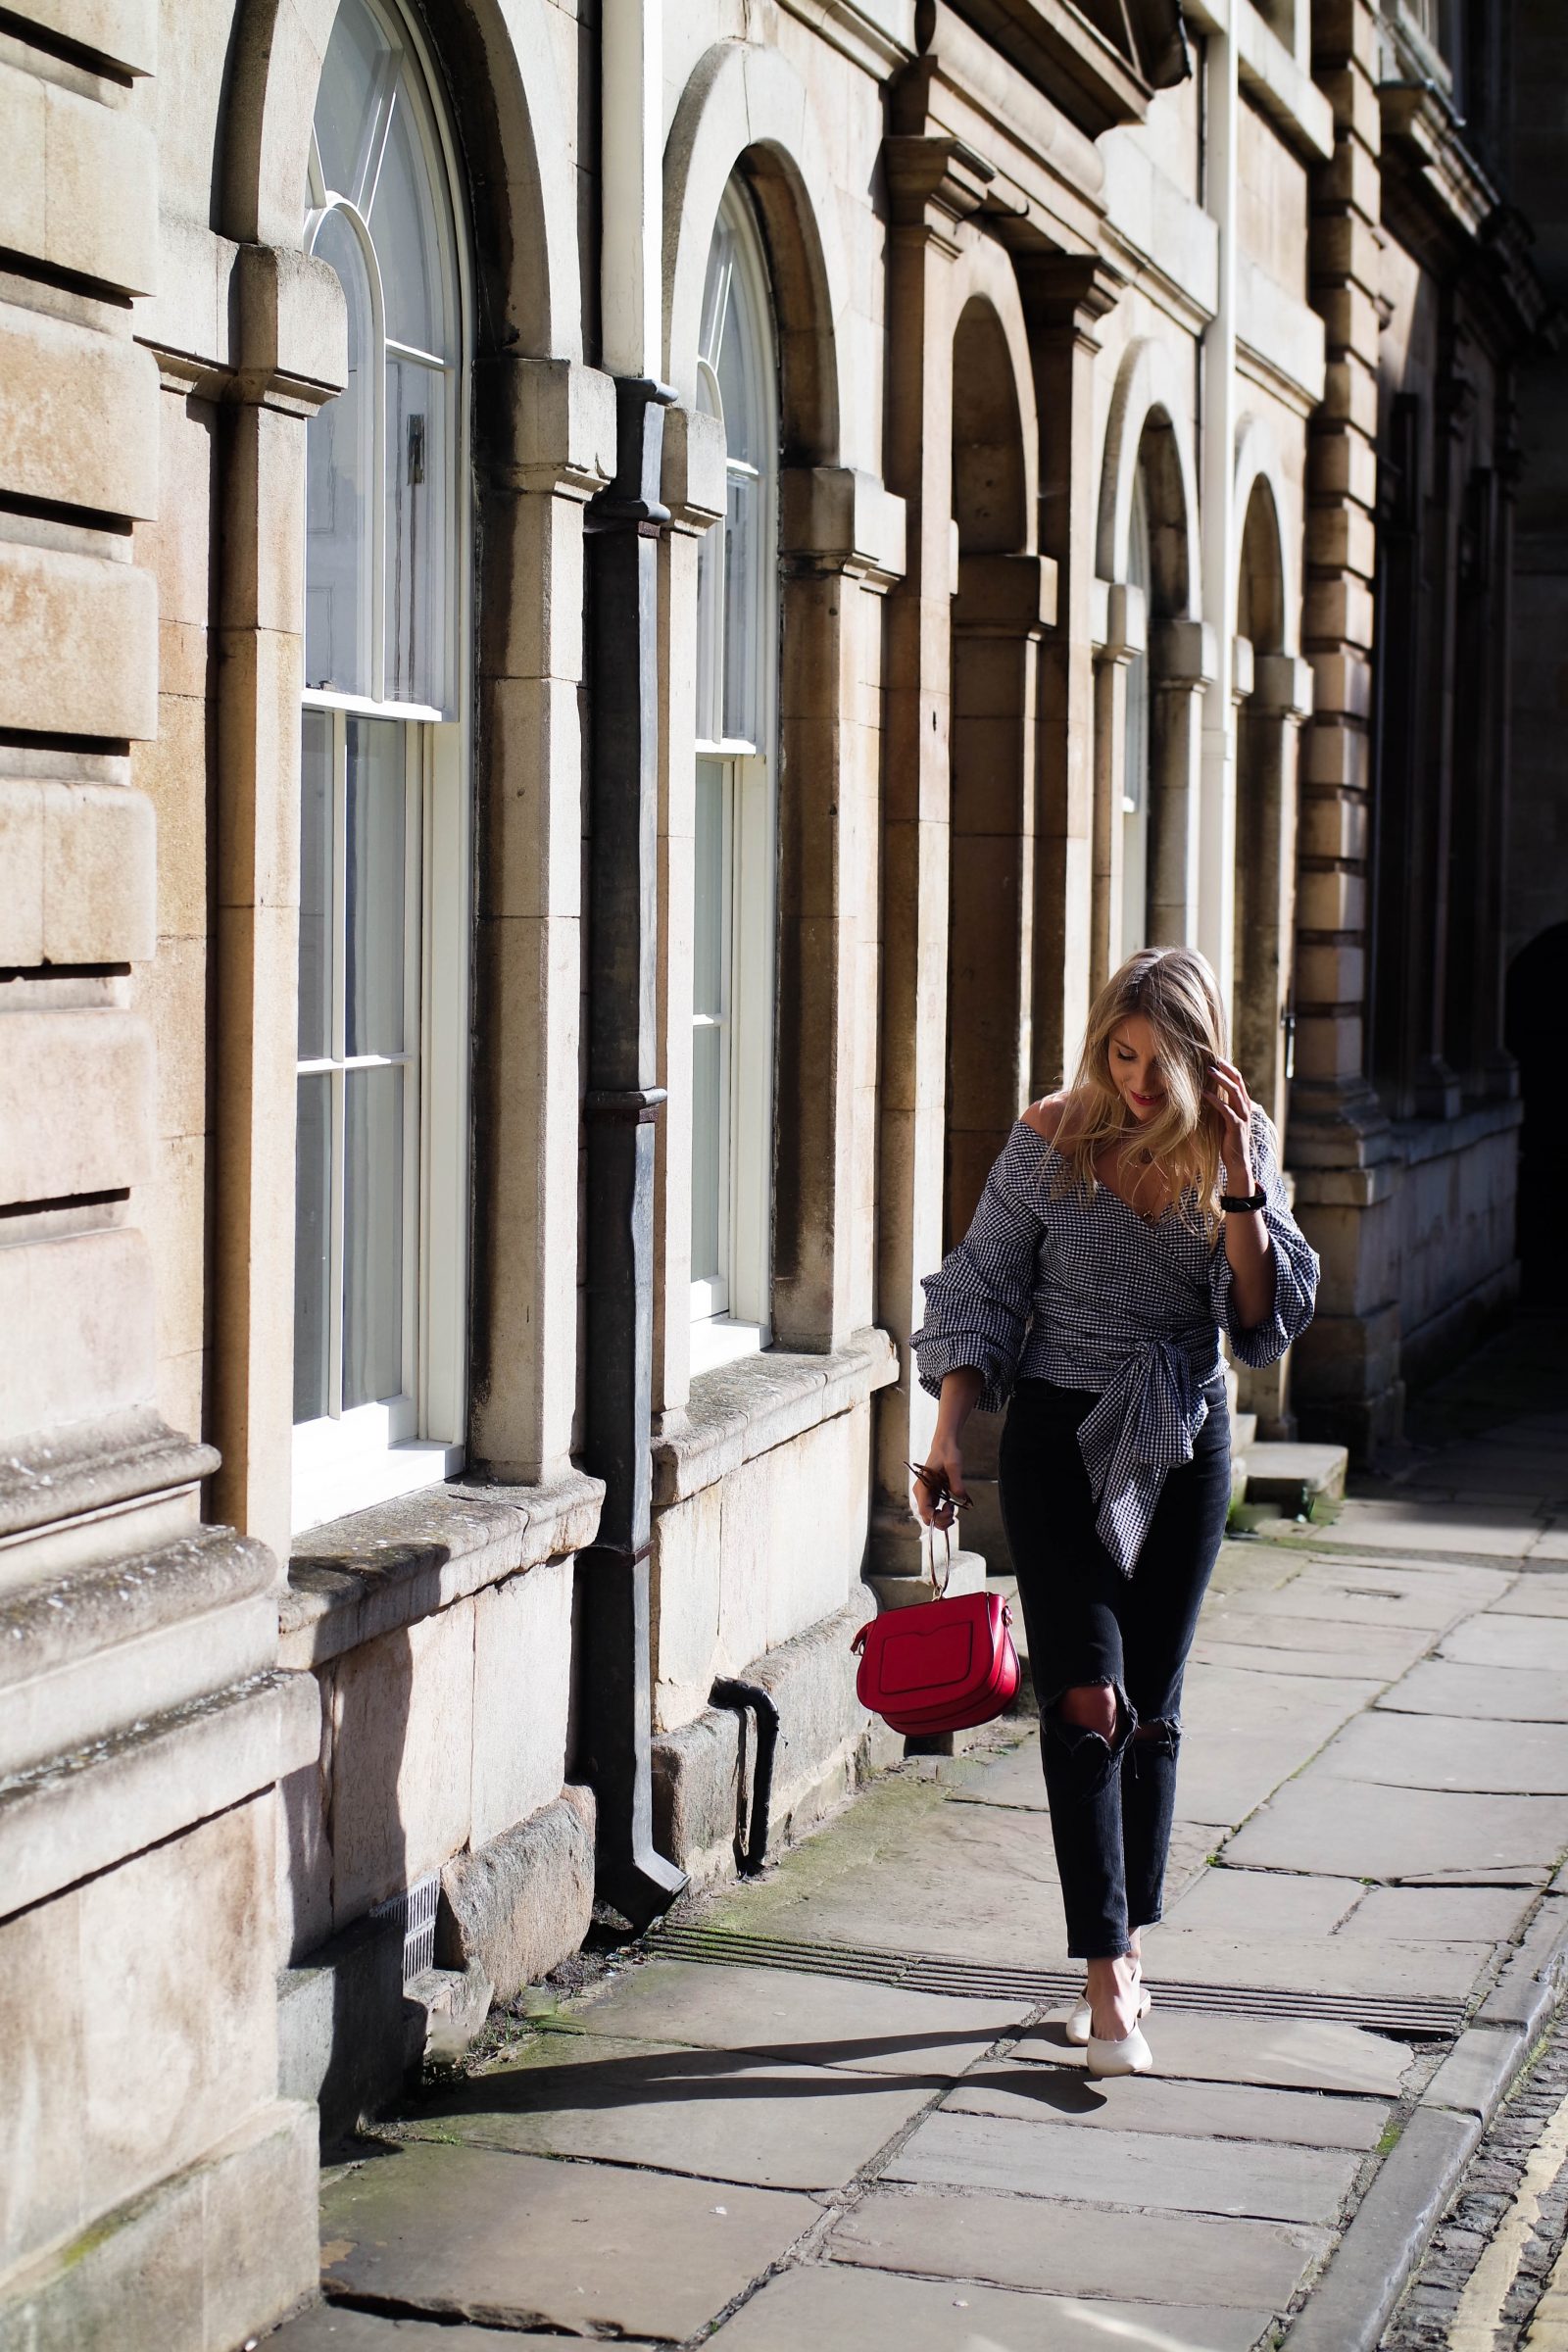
(1064, 296)
(841, 547)
(1498, 1069)
(1183, 661)
(1004, 605)
(1434, 1090)
(933, 185)
(1121, 634)
(1346, 1365)
(550, 435)
(1280, 699)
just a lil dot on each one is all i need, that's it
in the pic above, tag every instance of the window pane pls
(337, 514)
(743, 605)
(372, 1236)
(408, 244)
(741, 378)
(709, 1005)
(350, 79)
(1135, 781)
(416, 532)
(375, 853)
(316, 887)
(708, 918)
(708, 1045)
(312, 1247)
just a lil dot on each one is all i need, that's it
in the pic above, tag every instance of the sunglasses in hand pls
(936, 1486)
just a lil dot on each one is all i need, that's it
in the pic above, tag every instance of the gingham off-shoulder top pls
(1081, 1289)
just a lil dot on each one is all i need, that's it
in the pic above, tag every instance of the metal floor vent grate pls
(415, 1910)
(1432, 2017)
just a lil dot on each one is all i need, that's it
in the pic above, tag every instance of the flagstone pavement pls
(1374, 1804)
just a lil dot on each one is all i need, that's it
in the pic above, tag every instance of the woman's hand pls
(939, 1494)
(1233, 1105)
(938, 1497)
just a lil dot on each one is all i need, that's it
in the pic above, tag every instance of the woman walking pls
(1129, 1220)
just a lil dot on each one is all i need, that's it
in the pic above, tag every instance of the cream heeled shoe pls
(1131, 2055)
(1079, 2028)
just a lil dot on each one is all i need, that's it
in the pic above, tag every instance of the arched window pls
(1135, 775)
(379, 1272)
(736, 811)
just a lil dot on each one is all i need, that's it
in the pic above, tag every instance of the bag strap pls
(930, 1561)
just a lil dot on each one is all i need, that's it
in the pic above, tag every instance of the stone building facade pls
(611, 616)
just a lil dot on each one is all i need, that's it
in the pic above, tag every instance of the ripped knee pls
(1166, 1735)
(1093, 1707)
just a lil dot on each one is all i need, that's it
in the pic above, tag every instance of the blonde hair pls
(1176, 993)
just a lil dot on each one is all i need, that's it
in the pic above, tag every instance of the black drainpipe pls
(615, 1695)
(727, 1692)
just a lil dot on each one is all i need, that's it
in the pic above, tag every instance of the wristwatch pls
(1235, 1204)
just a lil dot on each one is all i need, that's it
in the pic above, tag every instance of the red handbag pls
(942, 1666)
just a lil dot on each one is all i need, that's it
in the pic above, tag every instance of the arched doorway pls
(1532, 1022)
(991, 729)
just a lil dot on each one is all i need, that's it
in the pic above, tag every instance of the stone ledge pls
(1419, 1140)
(82, 1813)
(86, 1654)
(49, 1479)
(378, 1570)
(62, 1619)
(747, 1407)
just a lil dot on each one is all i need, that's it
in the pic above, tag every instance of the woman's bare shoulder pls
(1046, 1115)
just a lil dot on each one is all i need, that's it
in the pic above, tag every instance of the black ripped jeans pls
(1112, 1801)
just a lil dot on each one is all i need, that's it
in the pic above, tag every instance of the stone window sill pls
(747, 1407)
(381, 1569)
(1434, 1139)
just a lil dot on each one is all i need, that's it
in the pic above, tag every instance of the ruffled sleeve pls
(977, 1304)
(1296, 1267)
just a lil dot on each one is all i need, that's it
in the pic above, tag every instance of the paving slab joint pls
(1356, 2294)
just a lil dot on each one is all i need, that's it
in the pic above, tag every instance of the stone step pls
(1244, 1429)
(1293, 1477)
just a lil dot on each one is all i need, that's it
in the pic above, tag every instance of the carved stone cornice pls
(1069, 292)
(934, 181)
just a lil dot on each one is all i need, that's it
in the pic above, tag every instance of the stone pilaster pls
(934, 184)
(1005, 605)
(1121, 636)
(841, 549)
(553, 427)
(1184, 661)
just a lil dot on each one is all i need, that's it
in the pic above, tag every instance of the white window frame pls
(731, 1312)
(348, 1461)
